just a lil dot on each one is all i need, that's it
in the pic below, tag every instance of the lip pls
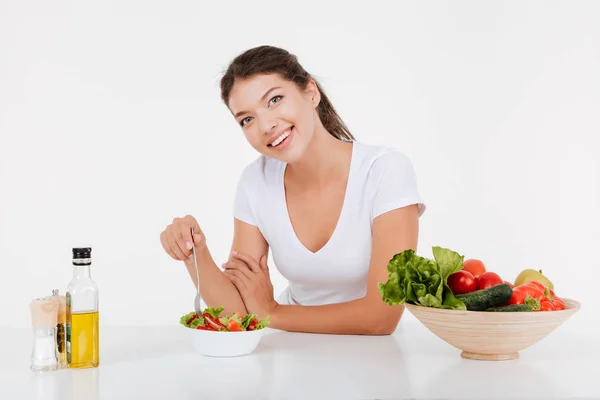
(274, 137)
(286, 142)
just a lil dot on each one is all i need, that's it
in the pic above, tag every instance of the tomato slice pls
(203, 328)
(195, 316)
(233, 326)
(253, 324)
(213, 323)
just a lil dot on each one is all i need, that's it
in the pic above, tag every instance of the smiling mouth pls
(281, 138)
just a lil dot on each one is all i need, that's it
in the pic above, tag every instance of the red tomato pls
(462, 282)
(203, 328)
(253, 324)
(475, 267)
(488, 279)
(509, 284)
(233, 326)
(214, 324)
(193, 318)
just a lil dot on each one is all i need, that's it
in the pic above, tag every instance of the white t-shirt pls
(381, 179)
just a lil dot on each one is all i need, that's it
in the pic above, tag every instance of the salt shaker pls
(44, 317)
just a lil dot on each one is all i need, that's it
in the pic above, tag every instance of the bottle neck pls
(81, 271)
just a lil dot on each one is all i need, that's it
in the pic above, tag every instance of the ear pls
(313, 93)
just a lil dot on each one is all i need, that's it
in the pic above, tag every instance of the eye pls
(244, 121)
(278, 98)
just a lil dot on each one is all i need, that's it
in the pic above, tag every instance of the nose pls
(268, 125)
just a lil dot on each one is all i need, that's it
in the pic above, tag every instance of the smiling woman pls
(332, 210)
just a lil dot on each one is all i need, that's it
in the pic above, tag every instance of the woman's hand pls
(177, 239)
(252, 280)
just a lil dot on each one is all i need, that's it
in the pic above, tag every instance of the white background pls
(111, 125)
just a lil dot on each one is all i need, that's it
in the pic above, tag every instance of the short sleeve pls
(395, 184)
(242, 207)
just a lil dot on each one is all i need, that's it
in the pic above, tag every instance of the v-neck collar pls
(348, 190)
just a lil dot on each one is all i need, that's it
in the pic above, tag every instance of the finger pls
(183, 236)
(173, 244)
(263, 263)
(237, 279)
(248, 260)
(198, 239)
(187, 237)
(166, 246)
(239, 266)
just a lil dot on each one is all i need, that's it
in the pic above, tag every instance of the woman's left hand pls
(252, 280)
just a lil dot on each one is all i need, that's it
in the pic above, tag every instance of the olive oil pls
(83, 325)
(84, 340)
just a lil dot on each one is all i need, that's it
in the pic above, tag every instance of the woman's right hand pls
(177, 239)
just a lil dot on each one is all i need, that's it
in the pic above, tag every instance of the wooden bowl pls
(485, 335)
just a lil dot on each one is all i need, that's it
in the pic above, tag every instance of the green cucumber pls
(512, 308)
(481, 300)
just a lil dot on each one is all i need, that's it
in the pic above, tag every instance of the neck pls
(325, 158)
(81, 271)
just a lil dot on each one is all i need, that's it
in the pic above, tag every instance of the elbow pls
(385, 322)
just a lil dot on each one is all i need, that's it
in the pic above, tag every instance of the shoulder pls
(262, 168)
(391, 181)
(377, 160)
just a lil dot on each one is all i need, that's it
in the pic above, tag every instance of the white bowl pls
(225, 344)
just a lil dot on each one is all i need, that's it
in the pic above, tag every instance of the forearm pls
(215, 288)
(358, 317)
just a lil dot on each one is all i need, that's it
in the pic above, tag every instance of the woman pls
(334, 211)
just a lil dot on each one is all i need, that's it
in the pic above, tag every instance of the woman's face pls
(276, 116)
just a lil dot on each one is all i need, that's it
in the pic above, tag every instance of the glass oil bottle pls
(83, 330)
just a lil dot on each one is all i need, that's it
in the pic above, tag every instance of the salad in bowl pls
(219, 335)
(211, 320)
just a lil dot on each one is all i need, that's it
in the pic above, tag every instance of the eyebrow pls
(261, 99)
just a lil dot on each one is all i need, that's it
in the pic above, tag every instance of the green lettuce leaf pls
(263, 323)
(184, 319)
(422, 281)
(214, 312)
(448, 261)
(197, 321)
(247, 319)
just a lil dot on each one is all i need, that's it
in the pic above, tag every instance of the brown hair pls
(269, 60)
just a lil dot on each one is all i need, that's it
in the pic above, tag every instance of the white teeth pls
(281, 138)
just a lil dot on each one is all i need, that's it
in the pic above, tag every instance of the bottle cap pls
(82, 252)
(82, 255)
(44, 312)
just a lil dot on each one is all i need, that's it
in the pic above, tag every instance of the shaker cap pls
(44, 312)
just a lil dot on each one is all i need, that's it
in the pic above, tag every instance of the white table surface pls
(159, 362)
